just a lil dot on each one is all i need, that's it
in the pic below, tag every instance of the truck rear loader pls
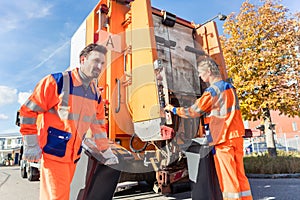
(151, 62)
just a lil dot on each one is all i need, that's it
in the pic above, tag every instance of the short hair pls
(93, 47)
(205, 62)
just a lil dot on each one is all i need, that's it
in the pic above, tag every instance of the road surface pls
(13, 187)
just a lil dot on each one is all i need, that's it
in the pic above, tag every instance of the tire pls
(33, 174)
(23, 172)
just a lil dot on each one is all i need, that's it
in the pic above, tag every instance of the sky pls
(35, 40)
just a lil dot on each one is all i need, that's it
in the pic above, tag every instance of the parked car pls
(260, 147)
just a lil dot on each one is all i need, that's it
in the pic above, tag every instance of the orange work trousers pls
(230, 170)
(55, 179)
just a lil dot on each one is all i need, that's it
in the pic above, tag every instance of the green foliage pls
(284, 163)
(261, 50)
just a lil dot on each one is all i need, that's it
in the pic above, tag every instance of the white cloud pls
(38, 10)
(22, 97)
(3, 117)
(15, 14)
(7, 95)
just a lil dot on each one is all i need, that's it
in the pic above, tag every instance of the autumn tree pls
(261, 50)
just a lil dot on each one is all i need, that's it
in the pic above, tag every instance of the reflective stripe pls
(195, 108)
(73, 116)
(237, 195)
(236, 100)
(186, 112)
(27, 120)
(215, 90)
(235, 107)
(246, 193)
(100, 121)
(100, 135)
(222, 113)
(87, 118)
(65, 89)
(33, 106)
(231, 195)
(223, 110)
(63, 111)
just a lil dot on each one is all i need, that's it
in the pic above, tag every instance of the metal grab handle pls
(119, 95)
(124, 59)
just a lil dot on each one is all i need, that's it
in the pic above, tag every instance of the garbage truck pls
(151, 62)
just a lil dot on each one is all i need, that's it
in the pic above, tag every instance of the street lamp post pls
(219, 16)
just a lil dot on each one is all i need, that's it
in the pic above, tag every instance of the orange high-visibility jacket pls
(69, 110)
(220, 107)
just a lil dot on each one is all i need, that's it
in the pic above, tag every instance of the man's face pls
(92, 64)
(203, 74)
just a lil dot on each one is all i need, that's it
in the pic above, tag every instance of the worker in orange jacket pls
(220, 107)
(70, 104)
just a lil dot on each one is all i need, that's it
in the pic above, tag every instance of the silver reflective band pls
(186, 112)
(33, 106)
(27, 120)
(100, 135)
(65, 89)
(231, 195)
(237, 195)
(87, 118)
(195, 108)
(100, 121)
(246, 193)
(73, 116)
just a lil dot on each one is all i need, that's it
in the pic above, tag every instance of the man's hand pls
(32, 151)
(102, 143)
(169, 108)
(110, 157)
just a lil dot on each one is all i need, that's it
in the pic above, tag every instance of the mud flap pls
(203, 176)
(101, 181)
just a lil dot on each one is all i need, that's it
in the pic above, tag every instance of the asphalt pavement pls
(13, 187)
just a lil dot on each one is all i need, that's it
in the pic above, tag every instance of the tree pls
(261, 50)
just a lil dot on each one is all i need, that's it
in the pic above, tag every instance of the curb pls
(273, 176)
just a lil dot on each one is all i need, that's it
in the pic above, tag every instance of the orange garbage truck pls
(151, 62)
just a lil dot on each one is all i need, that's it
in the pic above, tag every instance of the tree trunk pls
(269, 133)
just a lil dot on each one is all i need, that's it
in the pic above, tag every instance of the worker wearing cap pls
(70, 104)
(220, 107)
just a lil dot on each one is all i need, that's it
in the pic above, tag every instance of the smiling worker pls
(70, 104)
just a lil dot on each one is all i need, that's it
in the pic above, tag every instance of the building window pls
(294, 125)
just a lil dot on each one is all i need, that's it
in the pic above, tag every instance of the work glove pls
(32, 151)
(109, 157)
(169, 108)
(103, 145)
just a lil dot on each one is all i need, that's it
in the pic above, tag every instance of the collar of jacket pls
(78, 82)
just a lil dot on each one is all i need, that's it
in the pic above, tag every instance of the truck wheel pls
(33, 174)
(23, 172)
